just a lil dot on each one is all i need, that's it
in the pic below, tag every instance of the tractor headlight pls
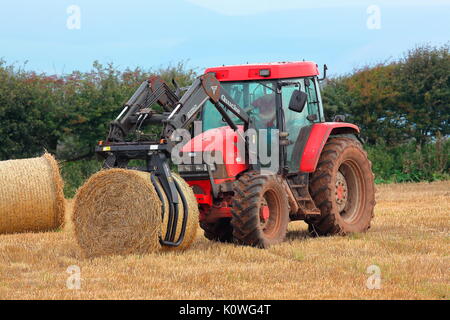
(184, 168)
(195, 167)
(200, 167)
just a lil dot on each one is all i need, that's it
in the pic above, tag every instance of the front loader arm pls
(137, 109)
(204, 88)
(180, 113)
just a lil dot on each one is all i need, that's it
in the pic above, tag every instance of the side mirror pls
(298, 101)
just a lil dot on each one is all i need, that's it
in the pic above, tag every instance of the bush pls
(66, 115)
(396, 101)
(75, 173)
(410, 162)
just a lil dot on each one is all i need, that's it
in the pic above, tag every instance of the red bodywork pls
(222, 140)
(278, 70)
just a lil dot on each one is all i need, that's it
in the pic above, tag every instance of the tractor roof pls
(263, 71)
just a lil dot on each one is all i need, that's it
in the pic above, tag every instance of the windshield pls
(257, 98)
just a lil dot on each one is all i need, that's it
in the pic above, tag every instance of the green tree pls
(424, 85)
(368, 99)
(29, 113)
(397, 101)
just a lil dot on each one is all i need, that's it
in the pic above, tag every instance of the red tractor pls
(322, 174)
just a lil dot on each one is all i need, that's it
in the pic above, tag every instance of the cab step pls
(298, 182)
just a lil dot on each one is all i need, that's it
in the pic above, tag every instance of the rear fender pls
(319, 134)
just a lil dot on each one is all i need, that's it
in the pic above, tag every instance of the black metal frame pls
(172, 190)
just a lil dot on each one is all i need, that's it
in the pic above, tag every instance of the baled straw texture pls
(31, 195)
(118, 212)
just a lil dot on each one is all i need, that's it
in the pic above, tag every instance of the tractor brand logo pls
(193, 111)
(214, 88)
(231, 105)
(236, 145)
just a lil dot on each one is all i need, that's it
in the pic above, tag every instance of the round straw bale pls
(118, 211)
(31, 195)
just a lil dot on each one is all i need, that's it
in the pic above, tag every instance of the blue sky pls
(151, 34)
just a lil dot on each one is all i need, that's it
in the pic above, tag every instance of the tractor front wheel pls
(343, 189)
(260, 211)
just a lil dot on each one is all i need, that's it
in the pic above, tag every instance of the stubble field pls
(409, 244)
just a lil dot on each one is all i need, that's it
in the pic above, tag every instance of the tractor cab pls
(270, 94)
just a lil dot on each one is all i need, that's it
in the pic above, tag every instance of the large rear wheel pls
(343, 189)
(260, 212)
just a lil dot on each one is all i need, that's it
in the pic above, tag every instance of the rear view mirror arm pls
(325, 68)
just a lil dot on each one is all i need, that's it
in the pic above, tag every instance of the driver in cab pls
(265, 111)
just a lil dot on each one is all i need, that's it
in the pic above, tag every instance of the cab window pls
(313, 100)
(256, 98)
